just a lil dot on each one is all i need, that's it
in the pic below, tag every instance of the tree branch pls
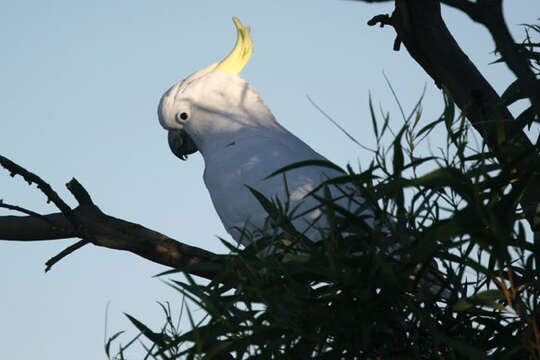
(31, 228)
(45, 188)
(111, 233)
(88, 222)
(79, 244)
(490, 14)
(420, 27)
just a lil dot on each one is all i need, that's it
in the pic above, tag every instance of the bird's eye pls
(182, 116)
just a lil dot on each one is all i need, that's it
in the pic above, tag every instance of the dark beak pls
(181, 144)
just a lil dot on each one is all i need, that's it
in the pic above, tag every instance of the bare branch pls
(45, 188)
(79, 192)
(98, 228)
(64, 253)
(385, 19)
(382, 19)
(26, 211)
(111, 233)
(82, 196)
(31, 228)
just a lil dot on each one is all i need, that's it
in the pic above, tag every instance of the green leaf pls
(266, 204)
(152, 336)
(429, 127)
(336, 124)
(514, 92)
(527, 117)
(449, 112)
(461, 346)
(300, 164)
(398, 154)
(373, 118)
(511, 94)
(110, 340)
(450, 177)
(485, 298)
(200, 267)
(218, 350)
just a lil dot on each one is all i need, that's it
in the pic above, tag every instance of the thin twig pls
(96, 227)
(64, 253)
(45, 188)
(385, 19)
(80, 194)
(27, 212)
(84, 199)
(382, 19)
(502, 285)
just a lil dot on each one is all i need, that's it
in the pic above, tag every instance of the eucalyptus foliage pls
(449, 271)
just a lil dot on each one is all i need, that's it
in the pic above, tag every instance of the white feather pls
(242, 143)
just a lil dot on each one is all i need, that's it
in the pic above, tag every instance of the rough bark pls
(109, 232)
(90, 224)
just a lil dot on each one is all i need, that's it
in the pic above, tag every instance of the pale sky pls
(80, 83)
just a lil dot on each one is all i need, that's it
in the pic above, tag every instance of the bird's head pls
(211, 101)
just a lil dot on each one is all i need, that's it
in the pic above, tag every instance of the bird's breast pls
(242, 163)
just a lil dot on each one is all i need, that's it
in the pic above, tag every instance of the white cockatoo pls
(216, 112)
(219, 114)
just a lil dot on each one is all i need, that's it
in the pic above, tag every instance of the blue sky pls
(80, 86)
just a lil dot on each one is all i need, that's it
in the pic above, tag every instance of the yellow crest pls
(240, 54)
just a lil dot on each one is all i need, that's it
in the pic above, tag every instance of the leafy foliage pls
(449, 270)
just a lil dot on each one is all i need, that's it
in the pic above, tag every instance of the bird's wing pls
(248, 161)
